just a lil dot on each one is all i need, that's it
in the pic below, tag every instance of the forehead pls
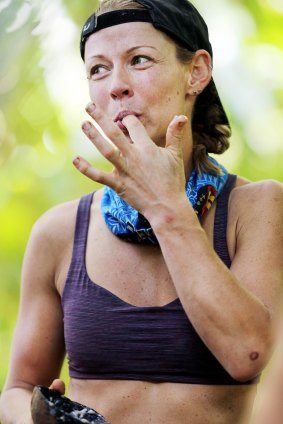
(126, 36)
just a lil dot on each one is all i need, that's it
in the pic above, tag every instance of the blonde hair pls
(210, 134)
(109, 5)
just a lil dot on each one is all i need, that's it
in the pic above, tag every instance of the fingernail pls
(90, 107)
(180, 119)
(76, 161)
(86, 126)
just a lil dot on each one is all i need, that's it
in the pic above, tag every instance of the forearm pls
(15, 406)
(231, 321)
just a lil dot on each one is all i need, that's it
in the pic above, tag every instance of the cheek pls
(169, 102)
(97, 94)
(93, 94)
(165, 92)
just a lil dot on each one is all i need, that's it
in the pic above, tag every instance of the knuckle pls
(85, 169)
(99, 178)
(90, 108)
(113, 133)
(91, 133)
(175, 134)
(97, 114)
(110, 155)
(178, 136)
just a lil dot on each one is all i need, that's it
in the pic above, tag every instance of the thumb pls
(58, 385)
(175, 131)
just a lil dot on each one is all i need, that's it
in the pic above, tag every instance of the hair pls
(109, 5)
(210, 134)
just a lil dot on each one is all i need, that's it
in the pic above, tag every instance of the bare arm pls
(231, 309)
(38, 342)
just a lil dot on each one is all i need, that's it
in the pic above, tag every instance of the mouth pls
(121, 115)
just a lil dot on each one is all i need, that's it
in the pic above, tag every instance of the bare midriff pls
(139, 402)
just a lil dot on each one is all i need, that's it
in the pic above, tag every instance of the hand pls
(39, 408)
(144, 174)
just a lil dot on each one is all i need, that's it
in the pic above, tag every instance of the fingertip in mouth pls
(122, 114)
(122, 126)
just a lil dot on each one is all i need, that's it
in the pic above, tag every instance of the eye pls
(97, 72)
(141, 61)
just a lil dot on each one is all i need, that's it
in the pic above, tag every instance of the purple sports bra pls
(109, 339)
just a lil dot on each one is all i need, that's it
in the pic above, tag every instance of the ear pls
(200, 73)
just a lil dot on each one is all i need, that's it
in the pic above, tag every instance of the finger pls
(58, 385)
(110, 129)
(175, 131)
(94, 174)
(109, 152)
(137, 131)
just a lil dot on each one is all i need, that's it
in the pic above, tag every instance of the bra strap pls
(220, 222)
(81, 229)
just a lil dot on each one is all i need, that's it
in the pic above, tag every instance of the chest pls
(135, 273)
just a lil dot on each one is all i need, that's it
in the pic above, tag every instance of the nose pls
(121, 86)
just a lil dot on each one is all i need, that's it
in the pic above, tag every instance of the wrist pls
(172, 217)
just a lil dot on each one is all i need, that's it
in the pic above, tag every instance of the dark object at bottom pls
(50, 407)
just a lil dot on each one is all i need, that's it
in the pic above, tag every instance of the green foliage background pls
(38, 140)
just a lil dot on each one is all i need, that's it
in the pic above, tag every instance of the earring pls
(197, 92)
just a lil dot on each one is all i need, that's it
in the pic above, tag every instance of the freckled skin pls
(147, 93)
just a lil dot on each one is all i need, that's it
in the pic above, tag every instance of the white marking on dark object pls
(53, 407)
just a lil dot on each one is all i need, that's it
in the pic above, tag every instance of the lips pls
(119, 118)
(123, 114)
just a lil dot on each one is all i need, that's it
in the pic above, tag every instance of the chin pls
(158, 137)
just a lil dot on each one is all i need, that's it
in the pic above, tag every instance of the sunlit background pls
(43, 92)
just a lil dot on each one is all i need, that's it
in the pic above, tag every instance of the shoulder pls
(257, 208)
(57, 222)
(264, 187)
(50, 239)
(255, 212)
(54, 231)
(248, 196)
(48, 243)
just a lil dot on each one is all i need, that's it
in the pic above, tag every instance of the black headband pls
(109, 19)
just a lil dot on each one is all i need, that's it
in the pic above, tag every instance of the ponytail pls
(211, 130)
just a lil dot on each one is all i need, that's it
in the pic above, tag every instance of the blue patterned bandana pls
(128, 224)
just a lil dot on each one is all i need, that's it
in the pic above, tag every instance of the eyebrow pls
(139, 47)
(101, 56)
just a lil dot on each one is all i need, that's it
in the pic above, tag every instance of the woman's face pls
(133, 69)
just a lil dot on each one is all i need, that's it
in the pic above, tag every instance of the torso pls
(136, 402)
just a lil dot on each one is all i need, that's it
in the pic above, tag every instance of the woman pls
(164, 299)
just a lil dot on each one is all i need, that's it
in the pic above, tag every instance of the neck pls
(187, 148)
